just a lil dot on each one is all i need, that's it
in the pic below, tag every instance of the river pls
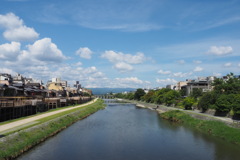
(125, 132)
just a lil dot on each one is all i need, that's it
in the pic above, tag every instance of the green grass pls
(25, 140)
(210, 127)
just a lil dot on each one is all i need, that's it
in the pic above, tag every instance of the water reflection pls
(124, 132)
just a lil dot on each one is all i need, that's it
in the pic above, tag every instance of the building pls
(5, 78)
(180, 84)
(171, 86)
(203, 83)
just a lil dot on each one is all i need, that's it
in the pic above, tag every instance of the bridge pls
(105, 96)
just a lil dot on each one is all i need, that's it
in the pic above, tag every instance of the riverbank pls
(193, 113)
(213, 128)
(15, 144)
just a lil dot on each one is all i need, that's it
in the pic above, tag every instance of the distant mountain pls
(98, 91)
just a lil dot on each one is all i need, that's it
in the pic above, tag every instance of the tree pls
(207, 101)
(188, 102)
(196, 92)
(149, 96)
(138, 94)
(236, 104)
(170, 97)
(224, 103)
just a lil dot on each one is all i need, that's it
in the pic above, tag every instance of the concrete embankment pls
(195, 114)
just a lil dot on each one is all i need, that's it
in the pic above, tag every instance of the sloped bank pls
(12, 146)
(210, 127)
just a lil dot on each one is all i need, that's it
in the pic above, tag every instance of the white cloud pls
(238, 64)
(123, 62)
(43, 50)
(166, 81)
(115, 57)
(198, 69)
(15, 28)
(228, 64)
(197, 62)
(217, 74)
(84, 53)
(181, 61)
(10, 51)
(123, 67)
(164, 72)
(7, 70)
(221, 50)
(129, 80)
(181, 74)
(22, 33)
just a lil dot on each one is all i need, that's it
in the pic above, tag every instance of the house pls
(5, 78)
(203, 83)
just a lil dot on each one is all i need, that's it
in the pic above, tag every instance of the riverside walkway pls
(194, 113)
(18, 124)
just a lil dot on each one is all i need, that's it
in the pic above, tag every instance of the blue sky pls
(120, 43)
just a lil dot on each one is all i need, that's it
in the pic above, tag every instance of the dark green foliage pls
(224, 103)
(236, 104)
(171, 97)
(149, 96)
(196, 92)
(224, 97)
(188, 102)
(138, 94)
(207, 101)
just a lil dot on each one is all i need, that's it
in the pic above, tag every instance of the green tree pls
(224, 103)
(236, 104)
(138, 94)
(196, 92)
(188, 102)
(149, 96)
(171, 97)
(207, 101)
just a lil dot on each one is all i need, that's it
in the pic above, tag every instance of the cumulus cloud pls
(181, 61)
(228, 64)
(10, 51)
(198, 69)
(123, 67)
(84, 53)
(164, 72)
(181, 74)
(123, 62)
(115, 57)
(7, 70)
(15, 28)
(217, 74)
(221, 50)
(197, 62)
(166, 81)
(43, 50)
(130, 80)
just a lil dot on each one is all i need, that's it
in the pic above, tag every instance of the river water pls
(125, 132)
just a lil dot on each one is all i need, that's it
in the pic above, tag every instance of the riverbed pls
(125, 132)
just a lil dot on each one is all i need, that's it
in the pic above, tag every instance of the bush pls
(224, 103)
(207, 101)
(188, 102)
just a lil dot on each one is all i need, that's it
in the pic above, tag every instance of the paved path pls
(192, 112)
(30, 121)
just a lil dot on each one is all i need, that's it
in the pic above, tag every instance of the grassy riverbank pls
(13, 146)
(214, 128)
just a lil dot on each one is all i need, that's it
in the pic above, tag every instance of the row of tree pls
(224, 98)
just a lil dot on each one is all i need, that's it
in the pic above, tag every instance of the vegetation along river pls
(124, 132)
